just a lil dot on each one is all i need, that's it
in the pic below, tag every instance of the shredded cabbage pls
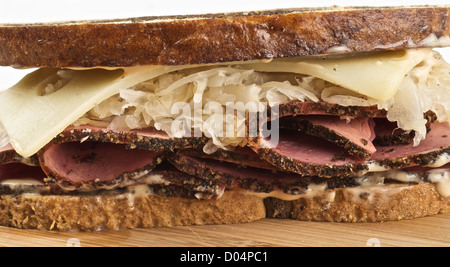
(159, 103)
(169, 102)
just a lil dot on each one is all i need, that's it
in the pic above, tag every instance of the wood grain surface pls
(430, 231)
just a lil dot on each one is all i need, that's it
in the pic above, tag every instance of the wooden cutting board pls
(429, 231)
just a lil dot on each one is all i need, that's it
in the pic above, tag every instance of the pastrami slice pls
(354, 135)
(144, 139)
(308, 155)
(88, 157)
(19, 171)
(241, 156)
(166, 176)
(256, 180)
(294, 108)
(388, 134)
(95, 164)
(237, 176)
(14, 166)
(9, 155)
(434, 150)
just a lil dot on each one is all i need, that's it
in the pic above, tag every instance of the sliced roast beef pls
(354, 135)
(91, 165)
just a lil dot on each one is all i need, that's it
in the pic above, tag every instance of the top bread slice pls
(226, 37)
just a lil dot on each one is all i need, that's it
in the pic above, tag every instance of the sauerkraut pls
(194, 101)
(171, 103)
(426, 87)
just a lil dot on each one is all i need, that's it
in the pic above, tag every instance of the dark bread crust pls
(215, 38)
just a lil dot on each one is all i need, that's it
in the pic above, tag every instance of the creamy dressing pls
(440, 161)
(374, 166)
(155, 179)
(439, 177)
(373, 192)
(365, 192)
(371, 183)
(21, 182)
(442, 181)
(433, 41)
(25, 186)
(359, 193)
(137, 191)
(275, 194)
(430, 41)
(338, 49)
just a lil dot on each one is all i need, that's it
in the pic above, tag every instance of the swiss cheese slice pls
(376, 75)
(32, 120)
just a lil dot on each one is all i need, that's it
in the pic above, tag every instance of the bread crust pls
(386, 203)
(92, 213)
(215, 38)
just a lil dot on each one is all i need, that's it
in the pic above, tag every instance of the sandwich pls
(328, 114)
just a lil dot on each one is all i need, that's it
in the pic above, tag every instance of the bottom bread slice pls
(389, 202)
(125, 211)
(111, 212)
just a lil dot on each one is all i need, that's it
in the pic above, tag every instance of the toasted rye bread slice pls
(386, 203)
(226, 37)
(92, 213)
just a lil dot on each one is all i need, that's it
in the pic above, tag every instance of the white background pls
(51, 10)
(29, 11)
